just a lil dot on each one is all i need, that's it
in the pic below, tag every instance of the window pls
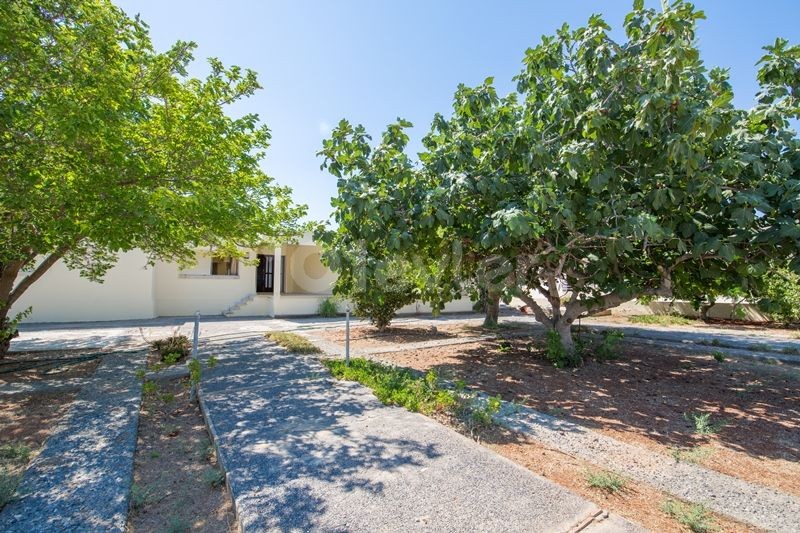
(224, 266)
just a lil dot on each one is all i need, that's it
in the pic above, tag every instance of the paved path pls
(303, 451)
(81, 479)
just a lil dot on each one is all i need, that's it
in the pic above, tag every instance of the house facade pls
(288, 280)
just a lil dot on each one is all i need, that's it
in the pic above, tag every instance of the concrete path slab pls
(304, 452)
(81, 479)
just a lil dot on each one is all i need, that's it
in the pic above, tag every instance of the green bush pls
(559, 356)
(607, 348)
(327, 308)
(381, 308)
(780, 292)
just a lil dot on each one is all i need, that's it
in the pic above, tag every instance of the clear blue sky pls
(371, 61)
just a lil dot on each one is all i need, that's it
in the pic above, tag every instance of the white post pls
(347, 335)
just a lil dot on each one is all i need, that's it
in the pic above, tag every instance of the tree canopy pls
(617, 170)
(108, 145)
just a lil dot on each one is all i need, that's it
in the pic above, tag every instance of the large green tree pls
(107, 145)
(618, 170)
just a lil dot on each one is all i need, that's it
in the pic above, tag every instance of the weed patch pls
(661, 320)
(172, 349)
(694, 455)
(293, 342)
(424, 394)
(606, 481)
(696, 517)
(213, 477)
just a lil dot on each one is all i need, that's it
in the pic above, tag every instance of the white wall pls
(182, 293)
(61, 295)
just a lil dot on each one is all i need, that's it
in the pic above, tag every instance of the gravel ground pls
(304, 452)
(81, 479)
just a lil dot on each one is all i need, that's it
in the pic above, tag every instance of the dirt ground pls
(368, 337)
(27, 367)
(177, 483)
(25, 423)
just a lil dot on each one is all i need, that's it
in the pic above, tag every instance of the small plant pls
(212, 362)
(213, 477)
(167, 397)
(327, 308)
(718, 356)
(169, 346)
(504, 346)
(149, 388)
(293, 342)
(696, 517)
(483, 413)
(172, 358)
(140, 496)
(141, 373)
(558, 355)
(556, 411)
(155, 455)
(606, 349)
(195, 372)
(605, 480)
(703, 424)
(691, 455)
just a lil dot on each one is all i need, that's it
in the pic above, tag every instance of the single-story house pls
(288, 280)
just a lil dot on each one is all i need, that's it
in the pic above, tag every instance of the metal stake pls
(196, 334)
(347, 336)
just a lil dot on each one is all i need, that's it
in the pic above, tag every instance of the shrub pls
(327, 308)
(382, 308)
(559, 356)
(293, 342)
(718, 356)
(606, 349)
(172, 349)
(604, 480)
(13, 452)
(780, 293)
(696, 517)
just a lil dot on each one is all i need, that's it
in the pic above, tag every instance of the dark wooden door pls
(265, 273)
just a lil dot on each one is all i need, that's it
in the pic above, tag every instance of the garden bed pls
(178, 485)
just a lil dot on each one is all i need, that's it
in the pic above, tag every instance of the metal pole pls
(196, 334)
(193, 390)
(347, 336)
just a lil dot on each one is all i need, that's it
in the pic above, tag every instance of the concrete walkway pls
(305, 452)
(81, 479)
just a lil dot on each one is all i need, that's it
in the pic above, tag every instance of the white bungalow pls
(293, 285)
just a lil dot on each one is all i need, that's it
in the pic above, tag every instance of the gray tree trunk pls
(492, 309)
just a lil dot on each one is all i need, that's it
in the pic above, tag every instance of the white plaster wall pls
(183, 292)
(305, 273)
(61, 295)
